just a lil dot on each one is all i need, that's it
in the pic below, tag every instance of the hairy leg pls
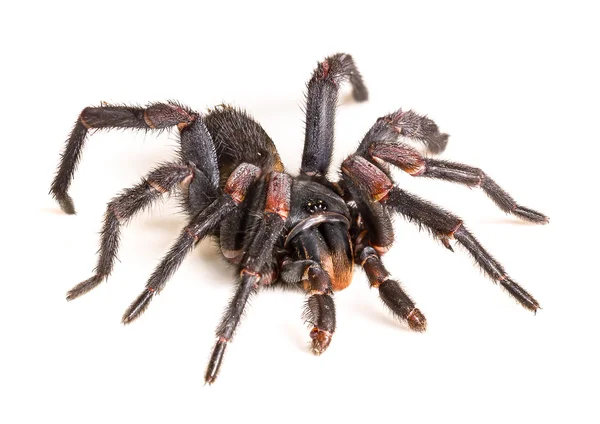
(121, 209)
(390, 291)
(258, 255)
(156, 116)
(320, 308)
(446, 225)
(374, 186)
(198, 228)
(410, 161)
(407, 124)
(321, 102)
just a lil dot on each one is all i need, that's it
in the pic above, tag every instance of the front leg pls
(320, 309)
(447, 225)
(361, 175)
(199, 227)
(256, 259)
(390, 291)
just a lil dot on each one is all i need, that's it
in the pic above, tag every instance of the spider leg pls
(156, 116)
(255, 261)
(390, 291)
(321, 101)
(198, 149)
(121, 209)
(372, 184)
(383, 147)
(320, 308)
(198, 228)
(407, 124)
(448, 225)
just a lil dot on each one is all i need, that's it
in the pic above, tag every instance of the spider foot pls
(84, 287)
(416, 320)
(66, 203)
(215, 361)
(519, 293)
(138, 306)
(320, 340)
(530, 215)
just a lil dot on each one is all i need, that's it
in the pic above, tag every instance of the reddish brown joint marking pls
(250, 273)
(148, 121)
(185, 183)
(191, 233)
(381, 249)
(455, 229)
(367, 258)
(156, 186)
(325, 67)
(361, 236)
(376, 272)
(115, 213)
(278, 195)
(481, 177)
(240, 180)
(400, 155)
(84, 123)
(183, 113)
(368, 176)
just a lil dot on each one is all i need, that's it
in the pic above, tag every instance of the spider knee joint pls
(156, 186)
(118, 216)
(83, 121)
(455, 229)
(250, 273)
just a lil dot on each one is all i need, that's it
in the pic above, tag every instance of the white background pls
(516, 86)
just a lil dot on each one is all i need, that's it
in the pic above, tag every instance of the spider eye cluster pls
(315, 206)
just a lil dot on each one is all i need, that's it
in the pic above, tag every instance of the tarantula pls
(306, 231)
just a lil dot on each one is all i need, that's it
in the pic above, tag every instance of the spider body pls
(307, 231)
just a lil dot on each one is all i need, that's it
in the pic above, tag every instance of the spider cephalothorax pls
(305, 231)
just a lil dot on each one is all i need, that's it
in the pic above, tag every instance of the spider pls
(306, 231)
